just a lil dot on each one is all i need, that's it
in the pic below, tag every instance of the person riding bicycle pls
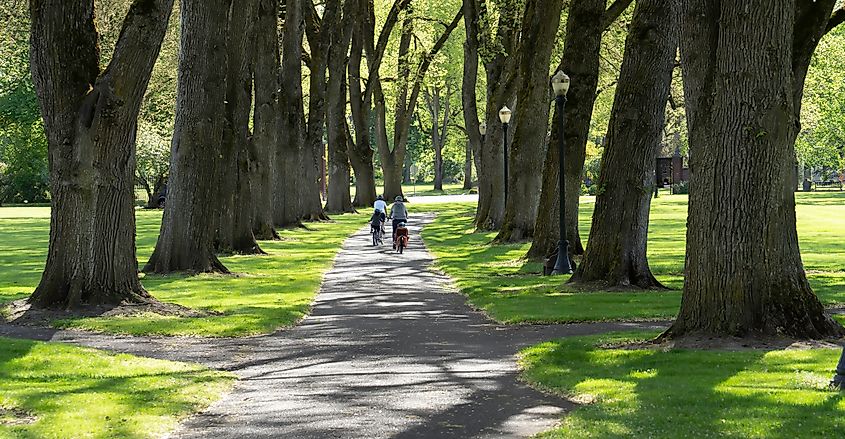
(398, 213)
(381, 208)
(402, 236)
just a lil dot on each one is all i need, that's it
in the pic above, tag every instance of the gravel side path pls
(389, 351)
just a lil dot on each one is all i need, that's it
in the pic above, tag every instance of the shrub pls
(681, 188)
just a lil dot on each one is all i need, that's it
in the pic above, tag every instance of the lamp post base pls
(562, 265)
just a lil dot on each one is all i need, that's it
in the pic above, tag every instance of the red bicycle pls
(400, 241)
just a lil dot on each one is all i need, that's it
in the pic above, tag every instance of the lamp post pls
(505, 116)
(560, 85)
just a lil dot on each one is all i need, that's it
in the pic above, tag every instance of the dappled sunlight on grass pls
(500, 281)
(55, 390)
(266, 292)
(687, 393)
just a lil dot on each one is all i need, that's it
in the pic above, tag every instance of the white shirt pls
(380, 206)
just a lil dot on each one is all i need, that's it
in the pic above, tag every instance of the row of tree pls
(233, 181)
(744, 67)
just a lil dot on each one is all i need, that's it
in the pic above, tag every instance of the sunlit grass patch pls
(266, 293)
(687, 393)
(50, 390)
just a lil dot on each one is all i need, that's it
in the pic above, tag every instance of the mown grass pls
(266, 293)
(50, 390)
(498, 280)
(687, 393)
(424, 189)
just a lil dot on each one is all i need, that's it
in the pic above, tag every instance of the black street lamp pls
(560, 85)
(505, 116)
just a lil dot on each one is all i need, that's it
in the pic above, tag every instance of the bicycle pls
(378, 238)
(400, 242)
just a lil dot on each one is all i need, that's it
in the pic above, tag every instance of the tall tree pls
(616, 251)
(408, 91)
(185, 242)
(339, 198)
(498, 52)
(585, 22)
(542, 17)
(266, 117)
(469, 97)
(90, 118)
(234, 229)
(744, 274)
(438, 104)
(291, 141)
(318, 31)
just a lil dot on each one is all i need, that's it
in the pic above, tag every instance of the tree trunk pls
(90, 120)
(526, 152)
(469, 98)
(360, 153)
(265, 118)
(187, 228)
(468, 167)
(438, 133)
(339, 198)
(288, 209)
(234, 233)
(319, 36)
(616, 250)
(744, 274)
(501, 72)
(581, 62)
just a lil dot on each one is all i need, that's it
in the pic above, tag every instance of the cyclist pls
(381, 209)
(399, 214)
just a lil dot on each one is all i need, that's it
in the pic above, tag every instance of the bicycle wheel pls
(401, 246)
(375, 237)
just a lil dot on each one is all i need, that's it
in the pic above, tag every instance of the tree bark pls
(265, 119)
(581, 62)
(318, 31)
(90, 119)
(501, 73)
(744, 274)
(528, 148)
(616, 251)
(288, 209)
(438, 131)
(234, 232)
(339, 199)
(359, 151)
(469, 97)
(185, 242)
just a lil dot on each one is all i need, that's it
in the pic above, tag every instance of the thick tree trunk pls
(528, 148)
(438, 133)
(288, 209)
(234, 232)
(319, 33)
(468, 167)
(501, 72)
(360, 153)
(265, 117)
(91, 121)
(744, 274)
(469, 98)
(581, 62)
(616, 250)
(339, 198)
(187, 228)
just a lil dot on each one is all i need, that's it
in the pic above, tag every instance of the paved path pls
(389, 351)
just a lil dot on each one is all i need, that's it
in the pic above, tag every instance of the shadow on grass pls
(83, 392)
(687, 393)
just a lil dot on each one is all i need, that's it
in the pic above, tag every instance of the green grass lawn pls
(50, 390)
(498, 280)
(646, 393)
(268, 292)
(425, 189)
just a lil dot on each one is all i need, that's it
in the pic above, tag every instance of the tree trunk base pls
(62, 296)
(266, 233)
(209, 265)
(512, 235)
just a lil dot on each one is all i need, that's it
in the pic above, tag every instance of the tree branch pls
(613, 12)
(835, 20)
